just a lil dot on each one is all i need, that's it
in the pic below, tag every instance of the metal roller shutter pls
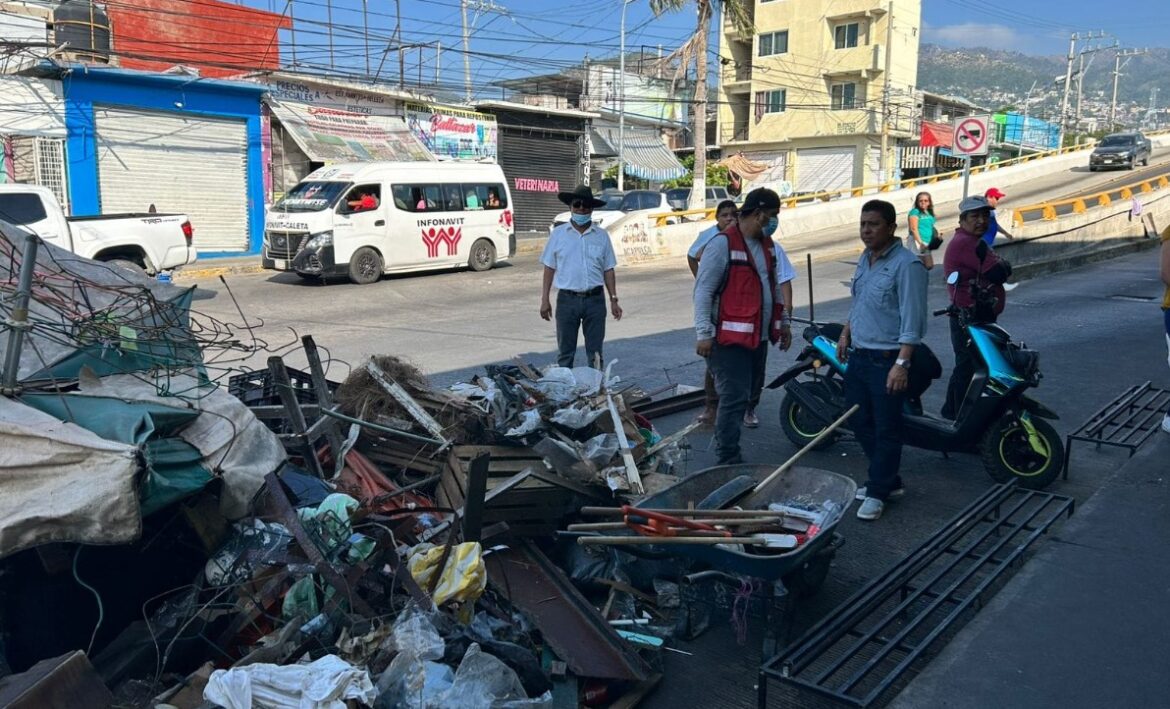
(824, 169)
(547, 158)
(179, 163)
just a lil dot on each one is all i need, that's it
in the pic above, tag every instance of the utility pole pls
(292, 31)
(1118, 65)
(1072, 53)
(1024, 126)
(438, 61)
(398, 40)
(621, 181)
(883, 157)
(466, 53)
(366, 32)
(1092, 52)
(329, 22)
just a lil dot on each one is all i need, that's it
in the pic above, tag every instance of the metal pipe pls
(382, 429)
(18, 322)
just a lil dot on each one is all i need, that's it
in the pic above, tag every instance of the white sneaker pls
(894, 494)
(1009, 287)
(871, 509)
(1166, 422)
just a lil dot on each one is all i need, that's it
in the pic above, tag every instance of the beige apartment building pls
(807, 92)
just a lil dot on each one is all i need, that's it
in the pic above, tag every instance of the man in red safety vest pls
(737, 312)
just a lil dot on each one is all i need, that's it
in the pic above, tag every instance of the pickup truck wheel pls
(127, 265)
(365, 266)
(483, 255)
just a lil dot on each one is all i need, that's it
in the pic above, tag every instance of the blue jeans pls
(732, 368)
(878, 423)
(575, 312)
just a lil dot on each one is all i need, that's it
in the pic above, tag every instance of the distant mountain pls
(982, 74)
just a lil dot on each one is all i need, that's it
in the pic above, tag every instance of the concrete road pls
(1098, 330)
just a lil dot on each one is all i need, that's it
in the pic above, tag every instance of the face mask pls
(771, 227)
(581, 219)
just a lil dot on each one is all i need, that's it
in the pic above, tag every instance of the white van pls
(365, 219)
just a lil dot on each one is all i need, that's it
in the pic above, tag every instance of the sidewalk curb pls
(205, 272)
(1058, 264)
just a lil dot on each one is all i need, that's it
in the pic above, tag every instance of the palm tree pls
(739, 14)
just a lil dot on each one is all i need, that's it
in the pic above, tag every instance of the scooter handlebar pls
(944, 311)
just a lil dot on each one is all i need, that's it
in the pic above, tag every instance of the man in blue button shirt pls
(579, 259)
(887, 320)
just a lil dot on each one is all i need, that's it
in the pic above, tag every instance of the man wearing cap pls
(963, 257)
(579, 261)
(993, 196)
(738, 311)
(887, 320)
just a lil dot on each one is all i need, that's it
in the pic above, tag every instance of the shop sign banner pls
(453, 133)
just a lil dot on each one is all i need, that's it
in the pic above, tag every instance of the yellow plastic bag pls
(464, 577)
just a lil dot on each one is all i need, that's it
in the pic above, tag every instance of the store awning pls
(645, 155)
(333, 135)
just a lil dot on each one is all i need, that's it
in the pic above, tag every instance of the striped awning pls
(645, 155)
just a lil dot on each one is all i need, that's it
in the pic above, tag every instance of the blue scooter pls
(996, 419)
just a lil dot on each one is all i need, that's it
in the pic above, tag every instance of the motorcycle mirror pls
(953, 279)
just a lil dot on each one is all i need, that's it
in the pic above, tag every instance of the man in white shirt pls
(579, 261)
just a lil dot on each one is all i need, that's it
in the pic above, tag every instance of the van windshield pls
(311, 197)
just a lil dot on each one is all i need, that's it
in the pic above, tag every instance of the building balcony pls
(733, 133)
(866, 62)
(737, 78)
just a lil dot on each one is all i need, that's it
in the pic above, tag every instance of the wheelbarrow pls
(795, 572)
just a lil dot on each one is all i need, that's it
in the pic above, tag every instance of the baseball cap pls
(761, 198)
(994, 193)
(972, 204)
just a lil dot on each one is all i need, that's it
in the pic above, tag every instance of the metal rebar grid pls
(860, 653)
(1126, 422)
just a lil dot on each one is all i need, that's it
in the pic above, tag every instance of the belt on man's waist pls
(597, 290)
(878, 354)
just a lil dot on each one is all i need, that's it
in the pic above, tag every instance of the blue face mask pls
(581, 219)
(771, 227)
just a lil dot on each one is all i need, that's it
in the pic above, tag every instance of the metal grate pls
(1126, 422)
(49, 168)
(859, 653)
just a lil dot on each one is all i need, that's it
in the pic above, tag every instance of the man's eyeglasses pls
(581, 204)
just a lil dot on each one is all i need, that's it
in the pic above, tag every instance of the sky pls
(525, 37)
(1042, 26)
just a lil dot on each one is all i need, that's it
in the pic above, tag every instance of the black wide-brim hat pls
(582, 193)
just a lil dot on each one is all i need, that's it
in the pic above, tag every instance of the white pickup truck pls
(151, 242)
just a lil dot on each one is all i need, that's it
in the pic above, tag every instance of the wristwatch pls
(903, 363)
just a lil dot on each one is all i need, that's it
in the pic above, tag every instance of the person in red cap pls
(993, 196)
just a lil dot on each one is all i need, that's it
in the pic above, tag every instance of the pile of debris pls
(291, 541)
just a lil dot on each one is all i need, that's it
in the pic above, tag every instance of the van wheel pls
(365, 266)
(483, 255)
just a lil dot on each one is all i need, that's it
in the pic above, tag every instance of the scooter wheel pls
(799, 425)
(1009, 455)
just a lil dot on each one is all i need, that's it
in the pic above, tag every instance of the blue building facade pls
(179, 143)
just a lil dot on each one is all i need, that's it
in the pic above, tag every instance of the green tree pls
(738, 13)
(716, 175)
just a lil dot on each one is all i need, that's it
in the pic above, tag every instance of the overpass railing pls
(1049, 211)
(790, 202)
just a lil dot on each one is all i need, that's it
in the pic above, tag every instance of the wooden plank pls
(470, 451)
(412, 407)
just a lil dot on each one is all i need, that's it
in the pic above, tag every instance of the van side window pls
(362, 198)
(454, 195)
(403, 197)
(433, 198)
(490, 196)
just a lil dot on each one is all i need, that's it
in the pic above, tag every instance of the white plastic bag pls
(323, 684)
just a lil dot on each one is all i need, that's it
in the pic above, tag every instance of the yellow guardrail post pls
(1049, 212)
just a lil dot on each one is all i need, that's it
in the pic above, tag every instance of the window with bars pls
(846, 35)
(844, 96)
(772, 43)
(49, 168)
